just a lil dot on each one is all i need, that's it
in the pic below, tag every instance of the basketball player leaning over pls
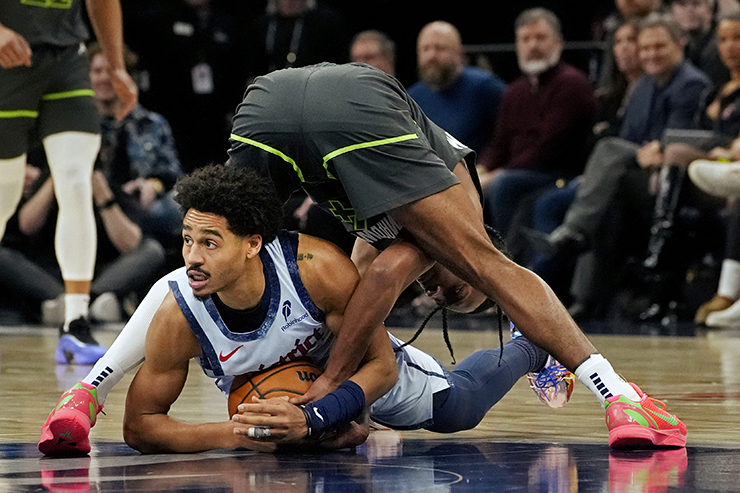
(224, 308)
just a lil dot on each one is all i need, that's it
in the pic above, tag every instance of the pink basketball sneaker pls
(642, 424)
(66, 430)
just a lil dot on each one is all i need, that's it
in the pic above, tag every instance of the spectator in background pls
(696, 18)
(668, 96)
(544, 122)
(625, 10)
(126, 261)
(550, 207)
(666, 257)
(462, 100)
(374, 48)
(296, 33)
(613, 95)
(192, 61)
(137, 156)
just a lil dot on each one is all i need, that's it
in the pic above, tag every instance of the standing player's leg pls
(12, 176)
(66, 430)
(69, 127)
(446, 226)
(71, 157)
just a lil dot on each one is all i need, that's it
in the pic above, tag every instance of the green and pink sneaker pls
(642, 424)
(66, 430)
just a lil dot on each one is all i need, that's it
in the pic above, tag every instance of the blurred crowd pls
(601, 169)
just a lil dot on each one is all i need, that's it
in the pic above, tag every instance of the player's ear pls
(254, 245)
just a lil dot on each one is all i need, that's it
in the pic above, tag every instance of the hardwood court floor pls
(520, 446)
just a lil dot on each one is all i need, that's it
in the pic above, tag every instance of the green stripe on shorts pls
(68, 94)
(364, 145)
(19, 114)
(271, 150)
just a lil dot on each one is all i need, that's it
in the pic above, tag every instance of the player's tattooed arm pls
(304, 256)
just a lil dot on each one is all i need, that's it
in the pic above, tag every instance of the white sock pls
(597, 374)
(104, 376)
(127, 351)
(75, 306)
(729, 279)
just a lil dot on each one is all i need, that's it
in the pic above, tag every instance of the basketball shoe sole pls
(642, 424)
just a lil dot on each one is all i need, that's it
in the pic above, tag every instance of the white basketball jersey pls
(408, 405)
(292, 329)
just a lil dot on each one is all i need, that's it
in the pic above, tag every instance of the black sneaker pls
(78, 345)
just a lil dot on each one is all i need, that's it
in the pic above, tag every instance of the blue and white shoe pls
(77, 345)
(554, 384)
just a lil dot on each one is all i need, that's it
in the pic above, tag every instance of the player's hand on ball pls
(274, 420)
(322, 386)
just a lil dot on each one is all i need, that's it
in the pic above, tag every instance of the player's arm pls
(382, 283)
(329, 277)
(106, 19)
(14, 49)
(386, 277)
(363, 255)
(147, 427)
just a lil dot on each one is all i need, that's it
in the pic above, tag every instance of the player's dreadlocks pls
(498, 242)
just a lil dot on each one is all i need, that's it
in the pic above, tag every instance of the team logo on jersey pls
(224, 357)
(286, 309)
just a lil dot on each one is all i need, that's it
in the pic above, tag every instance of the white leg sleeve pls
(729, 279)
(12, 176)
(71, 157)
(127, 351)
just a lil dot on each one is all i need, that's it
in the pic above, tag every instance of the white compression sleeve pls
(729, 279)
(71, 157)
(127, 351)
(12, 176)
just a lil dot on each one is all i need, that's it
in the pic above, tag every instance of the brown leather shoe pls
(718, 303)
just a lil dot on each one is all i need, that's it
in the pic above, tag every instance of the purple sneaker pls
(77, 345)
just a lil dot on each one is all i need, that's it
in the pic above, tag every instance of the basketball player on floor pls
(251, 298)
(219, 294)
(45, 83)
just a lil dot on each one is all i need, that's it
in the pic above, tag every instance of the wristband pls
(108, 204)
(334, 409)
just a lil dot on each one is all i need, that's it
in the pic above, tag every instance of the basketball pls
(289, 379)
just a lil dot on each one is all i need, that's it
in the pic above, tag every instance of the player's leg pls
(446, 227)
(12, 176)
(479, 382)
(69, 127)
(20, 89)
(66, 430)
(71, 157)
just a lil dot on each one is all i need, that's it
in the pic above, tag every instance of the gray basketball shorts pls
(53, 94)
(349, 124)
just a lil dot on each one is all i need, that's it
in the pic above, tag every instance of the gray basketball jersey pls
(51, 22)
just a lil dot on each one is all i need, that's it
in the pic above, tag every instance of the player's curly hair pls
(246, 200)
